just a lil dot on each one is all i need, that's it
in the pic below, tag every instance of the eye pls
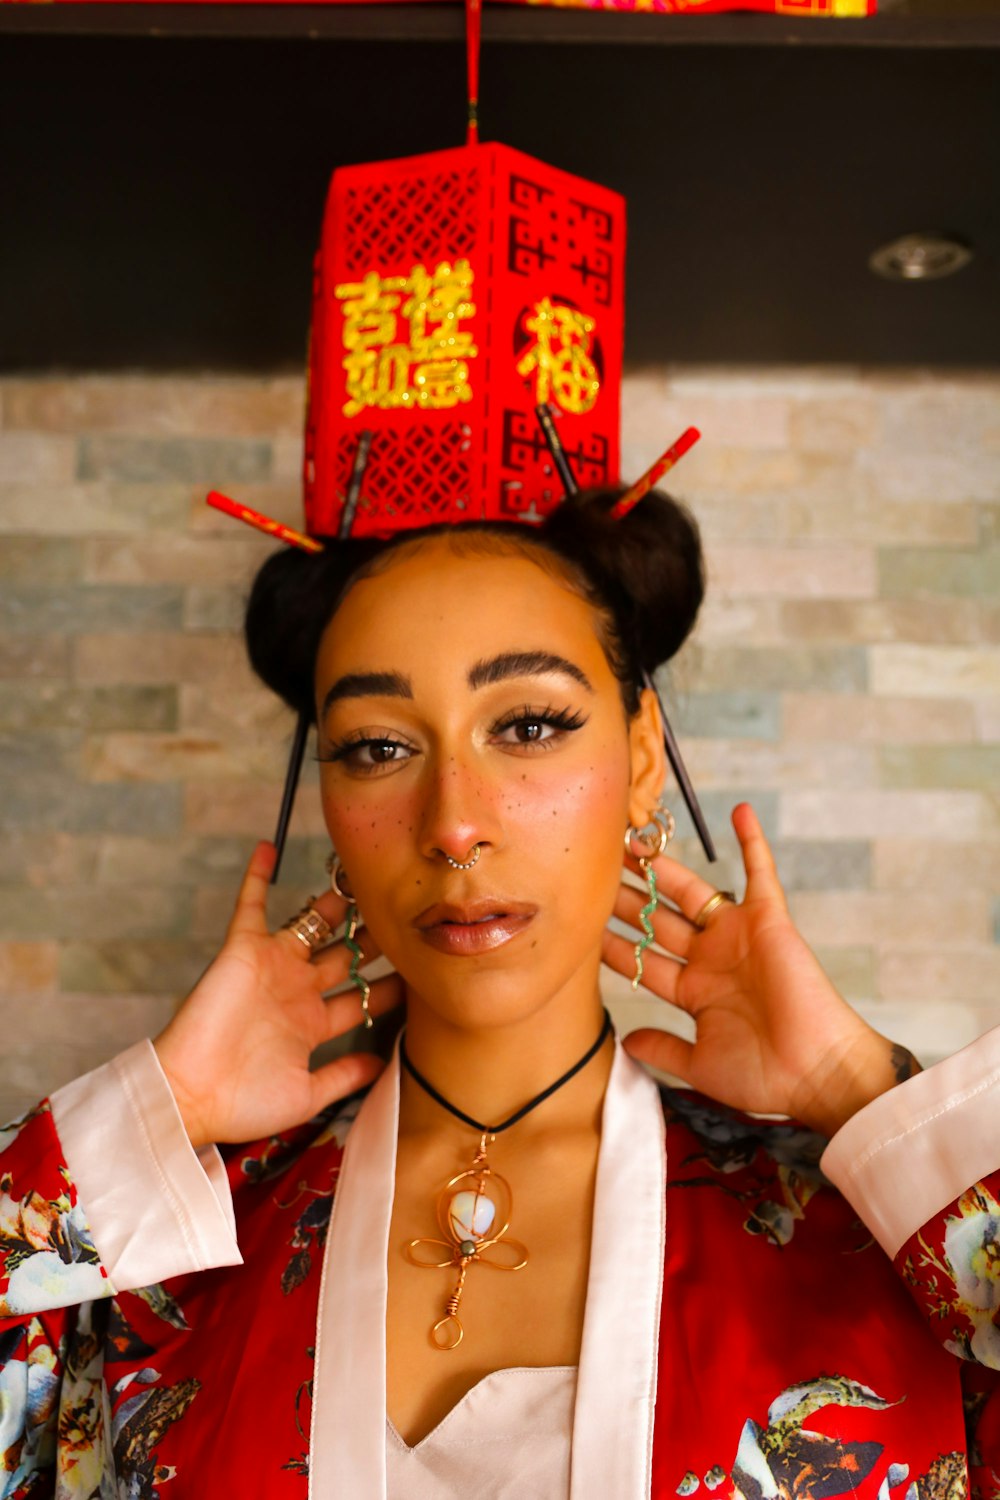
(369, 753)
(529, 731)
(536, 729)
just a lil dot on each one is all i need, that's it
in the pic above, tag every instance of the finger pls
(331, 907)
(678, 884)
(673, 931)
(250, 913)
(758, 860)
(343, 1076)
(344, 1011)
(661, 1050)
(660, 974)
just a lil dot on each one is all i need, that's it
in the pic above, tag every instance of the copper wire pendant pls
(474, 1211)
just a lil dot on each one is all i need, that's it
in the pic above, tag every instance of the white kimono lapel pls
(347, 1441)
(616, 1387)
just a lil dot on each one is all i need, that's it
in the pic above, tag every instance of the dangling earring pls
(338, 883)
(652, 839)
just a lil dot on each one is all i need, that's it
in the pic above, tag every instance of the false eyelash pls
(342, 749)
(562, 719)
(556, 718)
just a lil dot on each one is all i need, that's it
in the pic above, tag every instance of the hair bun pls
(280, 625)
(291, 601)
(649, 564)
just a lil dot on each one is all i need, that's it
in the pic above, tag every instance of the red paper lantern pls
(454, 292)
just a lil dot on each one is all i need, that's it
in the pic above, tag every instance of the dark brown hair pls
(644, 575)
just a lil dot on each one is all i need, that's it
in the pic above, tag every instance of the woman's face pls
(466, 699)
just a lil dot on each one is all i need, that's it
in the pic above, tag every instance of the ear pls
(647, 759)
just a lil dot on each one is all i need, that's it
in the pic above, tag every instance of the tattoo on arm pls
(904, 1064)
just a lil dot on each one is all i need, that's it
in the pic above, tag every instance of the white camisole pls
(508, 1438)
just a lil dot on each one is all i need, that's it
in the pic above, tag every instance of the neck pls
(491, 1073)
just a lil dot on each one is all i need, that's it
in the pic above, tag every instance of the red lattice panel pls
(454, 292)
(429, 462)
(433, 218)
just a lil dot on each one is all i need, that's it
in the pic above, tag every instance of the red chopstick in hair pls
(652, 476)
(266, 524)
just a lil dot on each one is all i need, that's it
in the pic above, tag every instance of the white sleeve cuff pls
(155, 1207)
(912, 1151)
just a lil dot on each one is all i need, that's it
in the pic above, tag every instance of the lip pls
(465, 928)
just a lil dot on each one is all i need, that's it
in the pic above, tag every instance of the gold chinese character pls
(560, 358)
(403, 338)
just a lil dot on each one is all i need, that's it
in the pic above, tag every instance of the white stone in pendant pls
(471, 1215)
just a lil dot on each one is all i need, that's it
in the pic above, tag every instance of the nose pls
(459, 816)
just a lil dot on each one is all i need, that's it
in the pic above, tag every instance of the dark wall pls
(161, 196)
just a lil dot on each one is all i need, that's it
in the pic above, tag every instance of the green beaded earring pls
(646, 844)
(338, 883)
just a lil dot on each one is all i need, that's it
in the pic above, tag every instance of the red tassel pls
(473, 30)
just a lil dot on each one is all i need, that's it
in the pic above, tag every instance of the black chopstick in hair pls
(301, 734)
(570, 488)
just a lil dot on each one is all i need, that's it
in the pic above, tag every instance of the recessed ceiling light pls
(921, 257)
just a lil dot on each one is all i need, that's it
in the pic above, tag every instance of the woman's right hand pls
(236, 1055)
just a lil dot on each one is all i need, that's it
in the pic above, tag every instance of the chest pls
(529, 1317)
(786, 1347)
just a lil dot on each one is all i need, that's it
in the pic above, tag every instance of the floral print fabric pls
(793, 1364)
(952, 1268)
(789, 1355)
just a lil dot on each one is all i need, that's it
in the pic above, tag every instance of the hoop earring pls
(338, 877)
(352, 920)
(666, 820)
(653, 838)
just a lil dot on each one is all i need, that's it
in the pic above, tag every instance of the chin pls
(485, 994)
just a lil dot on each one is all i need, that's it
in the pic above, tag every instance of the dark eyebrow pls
(368, 685)
(524, 664)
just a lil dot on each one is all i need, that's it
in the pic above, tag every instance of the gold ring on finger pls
(310, 927)
(719, 898)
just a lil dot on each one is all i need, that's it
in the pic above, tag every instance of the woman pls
(185, 1328)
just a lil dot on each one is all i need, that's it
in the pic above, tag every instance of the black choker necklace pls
(474, 1208)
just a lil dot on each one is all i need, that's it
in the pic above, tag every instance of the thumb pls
(662, 1050)
(342, 1077)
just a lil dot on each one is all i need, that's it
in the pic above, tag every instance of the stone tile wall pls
(845, 677)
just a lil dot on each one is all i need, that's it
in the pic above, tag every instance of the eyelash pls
(562, 721)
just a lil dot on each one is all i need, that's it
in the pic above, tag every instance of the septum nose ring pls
(458, 864)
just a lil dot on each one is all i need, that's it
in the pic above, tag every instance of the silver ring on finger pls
(310, 927)
(719, 898)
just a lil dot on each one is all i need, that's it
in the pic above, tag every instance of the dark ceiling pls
(161, 193)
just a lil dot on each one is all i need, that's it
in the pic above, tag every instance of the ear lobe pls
(647, 759)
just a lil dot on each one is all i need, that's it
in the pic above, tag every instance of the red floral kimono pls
(768, 1316)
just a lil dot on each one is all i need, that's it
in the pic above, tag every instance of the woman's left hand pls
(773, 1033)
